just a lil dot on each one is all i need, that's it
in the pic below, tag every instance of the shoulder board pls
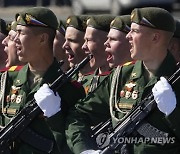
(4, 69)
(15, 68)
(89, 73)
(129, 63)
(105, 73)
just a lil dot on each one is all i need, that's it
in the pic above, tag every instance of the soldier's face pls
(73, 43)
(58, 51)
(3, 55)
(94, 44)
(10, 49)
(174, 48)
(117, 48)
(27, 44)
(140, 39)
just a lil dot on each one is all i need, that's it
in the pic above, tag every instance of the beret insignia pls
(68, 21)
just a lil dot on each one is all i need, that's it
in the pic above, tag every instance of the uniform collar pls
(96, 72)
(22, 75)
(52, 73)
(166, 68)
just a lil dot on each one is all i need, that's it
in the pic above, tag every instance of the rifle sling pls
(37, 141)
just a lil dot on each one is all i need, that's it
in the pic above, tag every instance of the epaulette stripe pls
(15, 68)
(105, 73)
(89, 73)
(12, 68)
(18, 68)
(4, 69)
(129, 63)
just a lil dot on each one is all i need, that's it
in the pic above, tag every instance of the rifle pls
(131, 122)
(22, 119)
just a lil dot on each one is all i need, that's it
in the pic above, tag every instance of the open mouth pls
(70, 57)
(131, 46)
(19, 49)
(109, 56)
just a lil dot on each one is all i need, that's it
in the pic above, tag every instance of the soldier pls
(59, 52)
(3, 34)
(36, 29)
(174, 45)
(117, 46)
(96, 33)
(117, 35)
(151, 31)
(76, 26)
(10, 47)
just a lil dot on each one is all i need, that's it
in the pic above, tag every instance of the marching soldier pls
(76, 26)
(10, 47)
(35, 32)
(151, 31)
(117, 46)
(59, 52)
(96, 33)
(3, 33)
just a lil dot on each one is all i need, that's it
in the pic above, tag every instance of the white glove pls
(91, 152)
(164, 96)
(49, 103)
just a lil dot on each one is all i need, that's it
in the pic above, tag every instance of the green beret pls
(122, 23)
(78, 22)
(62, 27)
(3, 27)
(177, 31)
(37, 16)
(154, 17)
(100, 22)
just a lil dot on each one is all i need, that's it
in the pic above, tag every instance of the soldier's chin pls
(111, 65)
(92, 64)
(71, 64)
(21, 59)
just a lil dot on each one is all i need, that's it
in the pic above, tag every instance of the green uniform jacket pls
(51, 128)
(95, 80)
(95, 108)
(90, 81)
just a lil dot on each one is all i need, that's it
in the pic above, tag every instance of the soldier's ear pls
(44, 38)
(156, 37)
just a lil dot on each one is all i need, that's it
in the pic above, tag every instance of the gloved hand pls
(49, 103)
(91, 152)
(164, 96)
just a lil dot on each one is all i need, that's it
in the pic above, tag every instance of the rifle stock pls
(132, 120)
(23, 118)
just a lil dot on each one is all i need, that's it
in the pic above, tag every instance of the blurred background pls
(64, 8)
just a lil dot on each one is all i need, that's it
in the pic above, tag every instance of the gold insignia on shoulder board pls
(18, 81)
(133, 74)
